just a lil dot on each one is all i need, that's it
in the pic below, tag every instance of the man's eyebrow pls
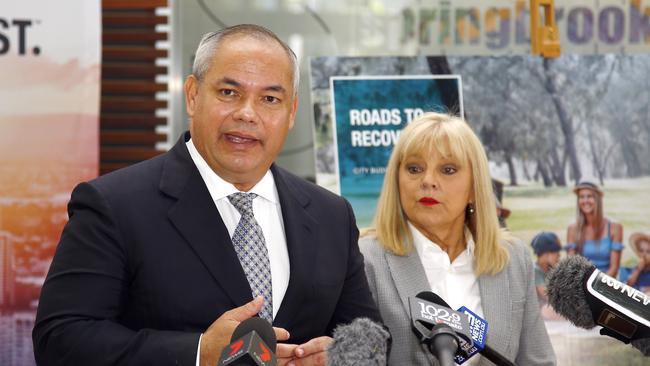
(235, 83)
(229, 81)
(276, 88)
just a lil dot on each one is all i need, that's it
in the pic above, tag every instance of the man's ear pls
(190, 89)
(294, 109)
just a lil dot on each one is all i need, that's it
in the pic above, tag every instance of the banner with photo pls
(360, 105)
(368, 115)
(49, 108)
(546, 124)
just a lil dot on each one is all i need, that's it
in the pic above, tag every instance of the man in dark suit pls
(154, 253)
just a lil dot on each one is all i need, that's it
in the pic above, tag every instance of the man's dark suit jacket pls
(145, 265)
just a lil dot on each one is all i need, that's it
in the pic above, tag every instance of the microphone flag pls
(478, 328)
(248, 350)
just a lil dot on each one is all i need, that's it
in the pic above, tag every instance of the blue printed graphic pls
(369, 115)
(478, 328)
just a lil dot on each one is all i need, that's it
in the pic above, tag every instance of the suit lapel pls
(196, 217)
(410, 279)
(497, 307)
(301, 246)
(408, 275)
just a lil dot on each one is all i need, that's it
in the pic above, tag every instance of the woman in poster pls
(640, 275)
(436, 229)
(593, 235)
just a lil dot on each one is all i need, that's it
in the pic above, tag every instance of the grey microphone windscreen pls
(565, 289)
(360, 343)
(642, 345)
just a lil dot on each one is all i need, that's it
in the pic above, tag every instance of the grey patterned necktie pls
(250, 246)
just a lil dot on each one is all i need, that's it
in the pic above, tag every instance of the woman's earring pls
(470, 208)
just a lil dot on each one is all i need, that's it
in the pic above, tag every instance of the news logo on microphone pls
(478, 328)
(472, 339)
(588, 297)
(249, 349)
(252, 344)
(436, 314)
(431, 314)
(631, 304)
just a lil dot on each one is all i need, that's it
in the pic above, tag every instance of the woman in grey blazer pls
(436, 229)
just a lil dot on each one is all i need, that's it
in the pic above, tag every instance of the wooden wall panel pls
(133, 4)
(128, 105)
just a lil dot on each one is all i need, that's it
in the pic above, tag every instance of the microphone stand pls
(444, 344)
(442, 341)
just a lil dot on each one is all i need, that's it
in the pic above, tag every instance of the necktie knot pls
(243, 202)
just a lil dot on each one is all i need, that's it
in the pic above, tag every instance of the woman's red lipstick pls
(428, 201)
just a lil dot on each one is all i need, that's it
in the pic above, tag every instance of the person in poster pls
(593, 235)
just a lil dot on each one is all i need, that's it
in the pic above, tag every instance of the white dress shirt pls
(455, 282)
(267, 212)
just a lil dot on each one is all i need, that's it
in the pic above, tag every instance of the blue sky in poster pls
(369, 113)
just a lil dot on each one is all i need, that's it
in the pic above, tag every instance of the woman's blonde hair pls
(451, 137)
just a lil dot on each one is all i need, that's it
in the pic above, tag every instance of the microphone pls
(360, 343)
(598, 299)
(588, 297)
(252, 344)
(444, 331)
(443, 342)
(478, 331)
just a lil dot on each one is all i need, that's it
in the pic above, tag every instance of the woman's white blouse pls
(455, 281)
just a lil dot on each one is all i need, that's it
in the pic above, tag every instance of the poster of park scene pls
(546, 124)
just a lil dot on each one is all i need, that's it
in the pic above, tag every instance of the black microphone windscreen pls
(360, 343)
(261, 326)
(565, 289)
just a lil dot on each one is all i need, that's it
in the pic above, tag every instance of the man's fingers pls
(281, 334)
(315, 359)
(284, 361)
(245, 311)
(283, 350)
(313, 346)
